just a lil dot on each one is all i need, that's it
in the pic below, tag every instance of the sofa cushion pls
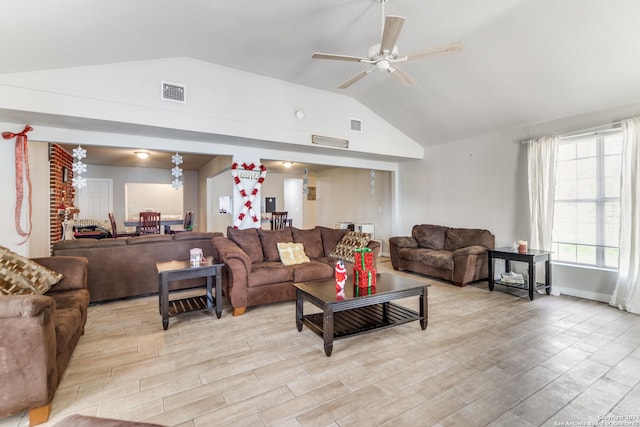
(429, 257)
(312, 241)
(349, 242)
(249, 241)
(270, 239)
(430, 236)
(292, 253)
(330, 238)
(269, 272)
(314, 270)
(20, 275)
(462, 237)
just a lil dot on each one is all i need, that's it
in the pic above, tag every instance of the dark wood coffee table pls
(354, 315)
(178, 270)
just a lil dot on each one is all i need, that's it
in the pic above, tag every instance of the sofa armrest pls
(73, 268)
(237, 267)
(227, 250)
(469, 250)
(469, 264)
(28, 348)
(403, 242)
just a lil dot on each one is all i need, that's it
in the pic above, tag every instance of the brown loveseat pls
(254, 273)
(126, 267)
(458, 255)
(38, 334)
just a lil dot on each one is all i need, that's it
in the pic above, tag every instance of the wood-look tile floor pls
(486, 358)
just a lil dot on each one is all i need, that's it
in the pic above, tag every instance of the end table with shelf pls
(178, 270)
(531, 257)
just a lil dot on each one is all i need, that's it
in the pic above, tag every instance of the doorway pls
(293, 201)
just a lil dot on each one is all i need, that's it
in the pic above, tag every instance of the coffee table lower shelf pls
(186, 305)
(362, 320)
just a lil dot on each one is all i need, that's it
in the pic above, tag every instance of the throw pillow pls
(350, 241)
(20, 275)
(292, 253)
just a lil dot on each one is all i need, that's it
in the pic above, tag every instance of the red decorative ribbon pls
(22, 174)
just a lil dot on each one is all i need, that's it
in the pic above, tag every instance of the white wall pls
(220, 101)
(343, 195)
(482, 183)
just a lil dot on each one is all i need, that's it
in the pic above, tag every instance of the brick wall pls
(61, 192)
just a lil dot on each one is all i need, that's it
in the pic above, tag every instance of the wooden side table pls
(178, 270)
(531, 257)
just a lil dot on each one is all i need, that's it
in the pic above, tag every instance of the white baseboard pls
(582, 294)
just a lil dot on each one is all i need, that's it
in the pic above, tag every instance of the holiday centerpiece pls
(364, 273)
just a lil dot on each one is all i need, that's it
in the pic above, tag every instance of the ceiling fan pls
(385, 55)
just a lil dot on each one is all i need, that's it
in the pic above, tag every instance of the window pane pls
(611, 223)
(613, 144)
(566, 151)
(611, 256)
(586, 223)
(586, 254)
(566, 252)
(612, 169)
(586, 148)
(587, 189)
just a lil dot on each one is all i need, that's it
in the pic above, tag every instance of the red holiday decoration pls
(247, 198)
(22, 174)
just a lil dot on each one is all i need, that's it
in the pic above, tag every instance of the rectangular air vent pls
(355, 125)
(329, 142)
(174, 92)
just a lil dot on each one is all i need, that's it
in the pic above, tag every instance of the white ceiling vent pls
(329, 142)
(355, 125)
(174, 92)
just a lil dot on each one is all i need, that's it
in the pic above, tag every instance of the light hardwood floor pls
(486, 358)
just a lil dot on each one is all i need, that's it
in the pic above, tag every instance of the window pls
(587, 202)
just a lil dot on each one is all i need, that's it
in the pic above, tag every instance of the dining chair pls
(187, 224)
(149, 223)
(114, 228)
(278, 220)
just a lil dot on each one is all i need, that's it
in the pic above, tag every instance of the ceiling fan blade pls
(355, 78)
(402, 76)
(447, 48)
(338, 57)
(391, 32)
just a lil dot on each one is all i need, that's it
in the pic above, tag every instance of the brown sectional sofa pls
(458, 255)
(126, 267)
(38, 334)
(254, 274)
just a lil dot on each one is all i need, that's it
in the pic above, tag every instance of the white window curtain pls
(626, 295)
(541, 155)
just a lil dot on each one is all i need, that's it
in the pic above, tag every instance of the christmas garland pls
(247, 198)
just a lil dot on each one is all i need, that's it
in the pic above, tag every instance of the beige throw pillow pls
(292, 253)
(350, 241)
(20, 275)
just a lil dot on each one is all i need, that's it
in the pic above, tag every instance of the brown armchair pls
(38, 334)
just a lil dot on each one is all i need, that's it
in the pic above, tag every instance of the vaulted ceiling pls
(524, 61)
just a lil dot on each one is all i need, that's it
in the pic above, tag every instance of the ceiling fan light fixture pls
(141, 154)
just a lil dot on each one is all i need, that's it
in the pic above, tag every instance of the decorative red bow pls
(22, 173)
